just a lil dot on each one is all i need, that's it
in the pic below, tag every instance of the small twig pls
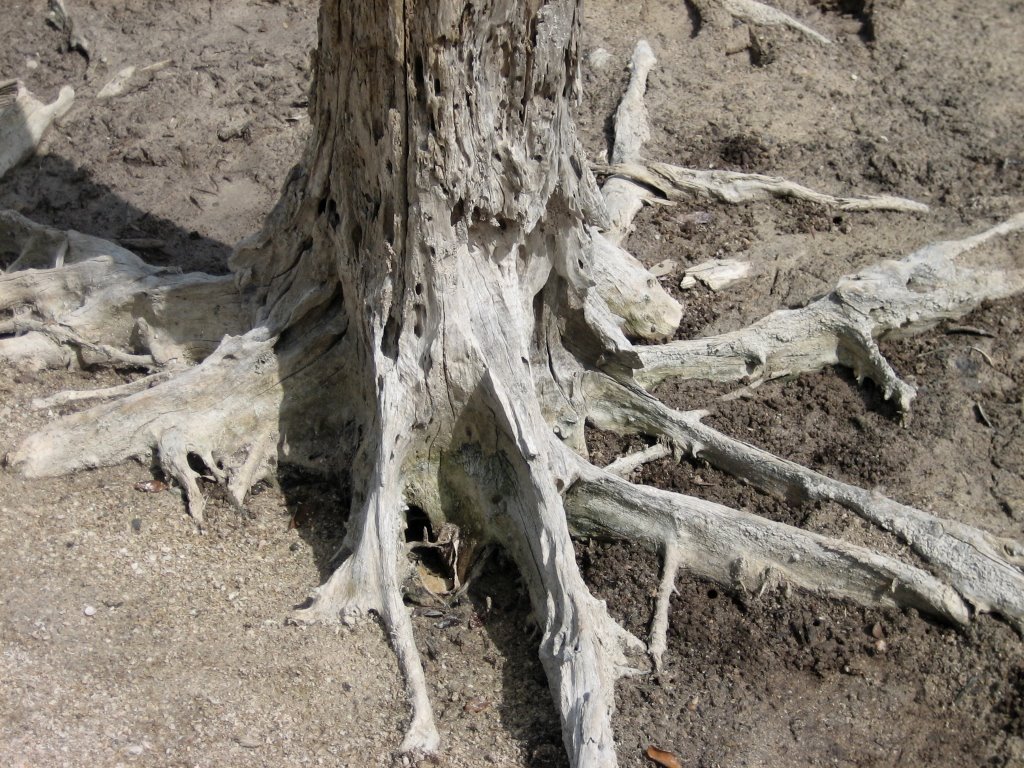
(970, 330)
(623, 465)
(984, 354)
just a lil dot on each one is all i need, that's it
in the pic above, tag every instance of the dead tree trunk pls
(446, 207)
(433, 307)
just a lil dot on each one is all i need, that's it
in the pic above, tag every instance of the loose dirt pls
(128, 639)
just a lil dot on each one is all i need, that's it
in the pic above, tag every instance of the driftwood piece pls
(24, 121)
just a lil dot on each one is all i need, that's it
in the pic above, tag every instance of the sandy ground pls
(128, 639)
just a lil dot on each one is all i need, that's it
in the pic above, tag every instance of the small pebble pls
(249, 741)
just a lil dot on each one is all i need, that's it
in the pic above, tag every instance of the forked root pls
(370, 579)
(984, 569)
(183, 419)
(367, 582)
(747, 553)
(920, 290)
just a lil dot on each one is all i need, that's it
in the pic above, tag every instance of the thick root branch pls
(582, 649)
(76, 292)
(632, 293)
(370, 581)
(920, 290)
(742, 551)
(189, 415)
(675, 183)
(623, 198)
(983, 568)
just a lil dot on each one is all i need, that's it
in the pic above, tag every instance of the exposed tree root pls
(624, 198)
(443, 301)
(631, 181)
(74, 300)
(984, 569)
(745, 552)
(104, 393)
(646, 309)
(24, 120)
(196, 424)
(675, 183)
(187, 418)
(929, 285)
(624, 465)
(369, 581)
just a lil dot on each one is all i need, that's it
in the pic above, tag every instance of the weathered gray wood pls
(24, 119)
(441, 287)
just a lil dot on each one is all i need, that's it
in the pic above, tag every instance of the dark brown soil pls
(182, 657)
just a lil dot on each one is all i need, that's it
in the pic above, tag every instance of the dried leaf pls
(663, 758)
(151, 486)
